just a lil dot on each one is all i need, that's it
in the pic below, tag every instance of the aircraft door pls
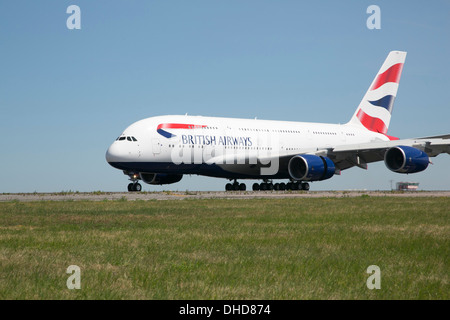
(343, 136)
(156, 146)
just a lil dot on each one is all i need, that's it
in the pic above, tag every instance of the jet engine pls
(308, 167)
(403, 159)
(160, 178)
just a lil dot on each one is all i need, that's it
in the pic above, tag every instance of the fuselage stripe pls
(175, 126)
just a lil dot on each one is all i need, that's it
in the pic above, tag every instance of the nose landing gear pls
(134, 186)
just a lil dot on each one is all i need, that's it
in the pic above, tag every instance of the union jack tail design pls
(374, 111)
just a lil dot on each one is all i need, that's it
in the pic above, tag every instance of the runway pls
(180, 195)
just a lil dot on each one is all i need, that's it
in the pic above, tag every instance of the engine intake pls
(404, 159)
(308, 167)
(160, 178)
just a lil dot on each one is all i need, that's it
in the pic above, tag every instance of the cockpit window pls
(128, 138)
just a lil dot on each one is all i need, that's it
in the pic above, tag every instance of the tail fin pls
(374, 111)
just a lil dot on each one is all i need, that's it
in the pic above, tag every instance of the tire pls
(242, 187)
(228, 187)
(276, 186)
(305, 186)
(256, 187)
(130, 187)
(282, 186)
(137, 187)
(263, 186)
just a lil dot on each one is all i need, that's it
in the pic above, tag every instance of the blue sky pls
(65, 95)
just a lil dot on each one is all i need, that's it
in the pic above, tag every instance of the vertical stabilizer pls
(374, 111)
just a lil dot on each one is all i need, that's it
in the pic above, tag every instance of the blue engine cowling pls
(308, 167)
(403, 159)
(160, 178)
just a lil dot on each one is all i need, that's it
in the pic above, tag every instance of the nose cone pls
(114, 153)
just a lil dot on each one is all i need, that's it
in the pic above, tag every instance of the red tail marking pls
(371, 123)
(390, 75)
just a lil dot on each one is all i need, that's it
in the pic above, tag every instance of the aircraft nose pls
(114, 154)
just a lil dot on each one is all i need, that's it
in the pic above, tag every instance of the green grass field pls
(226, 249)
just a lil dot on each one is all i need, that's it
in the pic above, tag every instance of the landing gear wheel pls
(282, 186)
(256, 187)
(235, 186)
(134, 187)
(305, 186)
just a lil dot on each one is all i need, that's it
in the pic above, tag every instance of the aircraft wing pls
(344, 157)
(443, 136)
(347, 156)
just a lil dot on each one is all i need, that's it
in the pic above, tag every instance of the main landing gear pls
(235, 186)
(268, 186)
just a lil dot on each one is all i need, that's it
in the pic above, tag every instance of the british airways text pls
(213, 140)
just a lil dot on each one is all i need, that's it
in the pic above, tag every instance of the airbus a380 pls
(160, 150)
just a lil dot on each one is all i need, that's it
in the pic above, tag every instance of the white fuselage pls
(190, 141)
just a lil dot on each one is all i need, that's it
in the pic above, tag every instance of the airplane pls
(160, 150)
